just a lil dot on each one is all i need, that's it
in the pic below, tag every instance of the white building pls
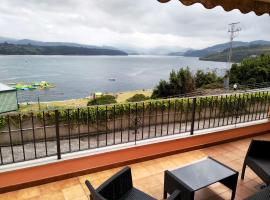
(8, 99)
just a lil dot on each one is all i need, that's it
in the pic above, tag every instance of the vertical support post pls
(69, 131)
(114, 125)
(136, 123)
(106, 118)
(39, 108)
(57, 134)
(193, 116)
(10, 139)
(18, 105)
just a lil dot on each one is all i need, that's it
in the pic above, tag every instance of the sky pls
(126, 23)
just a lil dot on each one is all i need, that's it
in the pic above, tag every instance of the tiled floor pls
(148, 176)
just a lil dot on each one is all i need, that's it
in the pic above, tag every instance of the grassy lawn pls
(123, 96)
(74, 103)
(54, 104)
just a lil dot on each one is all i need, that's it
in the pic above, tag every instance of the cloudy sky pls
(123, 23)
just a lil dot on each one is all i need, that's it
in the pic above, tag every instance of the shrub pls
(90, 115)
(209, 78)
(103, 100)
(137, 98)
(2, 122)
(251, 81)
(212, 86)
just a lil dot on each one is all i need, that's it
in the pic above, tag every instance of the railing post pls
(136, 123)
(57, 134)
(193, 116)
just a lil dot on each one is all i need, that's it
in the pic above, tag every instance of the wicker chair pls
(120, 187)
(262, 195)
(258, 159)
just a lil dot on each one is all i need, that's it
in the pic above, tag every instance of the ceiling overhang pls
(260, 7)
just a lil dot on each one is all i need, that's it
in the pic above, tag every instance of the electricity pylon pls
(234, 32)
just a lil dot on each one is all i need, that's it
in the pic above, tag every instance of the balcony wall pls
(32, 176)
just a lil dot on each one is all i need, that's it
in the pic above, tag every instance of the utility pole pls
(234, 32)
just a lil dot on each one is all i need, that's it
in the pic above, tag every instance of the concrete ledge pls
(33, 176)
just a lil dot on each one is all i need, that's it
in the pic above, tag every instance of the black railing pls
(28, 136)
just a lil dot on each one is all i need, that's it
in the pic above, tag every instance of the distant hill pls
(84, 49)
(160, 50)
(131, 50)
(41, 43)
(70, 44)
(239, 53)
(29, 49)
(180, 53)
(5, 39)
(221, 47)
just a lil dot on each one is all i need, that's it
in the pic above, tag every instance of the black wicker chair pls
(262, 195)
(120, 187)
(258, 160)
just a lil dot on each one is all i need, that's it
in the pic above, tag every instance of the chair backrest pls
(117, 185)
(259, 149)
(94, 195)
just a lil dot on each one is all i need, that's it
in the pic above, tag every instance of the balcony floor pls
(148, 176)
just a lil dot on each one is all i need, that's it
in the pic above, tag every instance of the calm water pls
(79, 76)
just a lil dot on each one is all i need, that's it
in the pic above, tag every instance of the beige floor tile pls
(9, 196)
(28, 193)
(74, 192)
(52, 196)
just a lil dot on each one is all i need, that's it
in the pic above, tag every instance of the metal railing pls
(28, 136)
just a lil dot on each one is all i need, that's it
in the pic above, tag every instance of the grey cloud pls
(125, 22)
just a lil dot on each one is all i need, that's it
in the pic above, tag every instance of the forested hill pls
(239, 53)
(218, 48)
(16, 49)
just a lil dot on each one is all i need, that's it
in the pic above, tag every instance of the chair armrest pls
(176, 195)
(93, 193)
(116, 186)
(259, 149)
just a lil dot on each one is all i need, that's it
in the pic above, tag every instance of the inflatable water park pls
(32, 86)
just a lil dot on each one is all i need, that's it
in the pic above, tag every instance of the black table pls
(198, 175)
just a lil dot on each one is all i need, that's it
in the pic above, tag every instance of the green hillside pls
(239, 53)
(16, 49)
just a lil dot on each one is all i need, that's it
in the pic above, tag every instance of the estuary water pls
(79, 76)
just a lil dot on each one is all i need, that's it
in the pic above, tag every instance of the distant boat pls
(112, 79)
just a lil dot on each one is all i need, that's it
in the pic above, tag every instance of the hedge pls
(108, 112)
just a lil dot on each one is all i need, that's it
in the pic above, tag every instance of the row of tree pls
(183, 81)
(249, 71)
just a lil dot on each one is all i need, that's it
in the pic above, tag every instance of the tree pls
(205, 79)
(186, 81)
(161, 90)
(251, 70)
(180, 82)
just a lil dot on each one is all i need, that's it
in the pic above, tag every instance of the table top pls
(202, 173)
